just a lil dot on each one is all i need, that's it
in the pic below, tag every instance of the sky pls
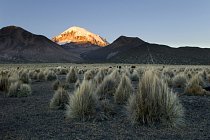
(171, 22)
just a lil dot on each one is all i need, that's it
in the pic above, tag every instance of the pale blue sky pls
(171, 22)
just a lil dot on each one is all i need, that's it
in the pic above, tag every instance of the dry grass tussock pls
(41, 76)
(89, 75)
(155, 103)
(56, 84)
(167, 79)
(100, 76)
(194, 86)
(134, 76)
(82, 103)
(62, 71)
(115, 75)
(4, 82)
(24, 76)
(77, 84)
(19, 89)
(107, 88)
(71, 76)
(123, 91)
(60, 99)
(51, 75)
(180, 80)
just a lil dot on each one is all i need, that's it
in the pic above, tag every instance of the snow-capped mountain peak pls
(80, 35)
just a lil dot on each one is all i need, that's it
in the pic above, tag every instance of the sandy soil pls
(31, 118)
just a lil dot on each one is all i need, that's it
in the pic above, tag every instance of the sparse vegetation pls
(106, 92)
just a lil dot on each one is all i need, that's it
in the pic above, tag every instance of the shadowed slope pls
(134, 50)
(19, 45)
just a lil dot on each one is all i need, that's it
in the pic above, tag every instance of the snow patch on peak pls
(78, 34)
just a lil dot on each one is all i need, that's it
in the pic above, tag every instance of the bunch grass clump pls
(107, 88)
(194, 86)
(51, 75)
(77, 84)
(89, 75)
(63, 71)
(155, 103)
(123, 91)
(19, 89)
(99, 76)
(179, 81)
(4, 82)
(115, 75)
(60, 99)
(41, 76)
(71, 76)
(134, 76)
(24, 77)
(25, 90)
(56, 84)
(82, 103)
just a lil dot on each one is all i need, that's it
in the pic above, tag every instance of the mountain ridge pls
(19, 45)
(139, 51)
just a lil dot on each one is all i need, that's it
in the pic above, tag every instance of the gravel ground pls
(31, 118)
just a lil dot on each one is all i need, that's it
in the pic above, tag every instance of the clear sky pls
(170, 22)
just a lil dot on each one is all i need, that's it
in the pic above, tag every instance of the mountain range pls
(77, 45)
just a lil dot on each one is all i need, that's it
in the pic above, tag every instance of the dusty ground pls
(31, 118)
